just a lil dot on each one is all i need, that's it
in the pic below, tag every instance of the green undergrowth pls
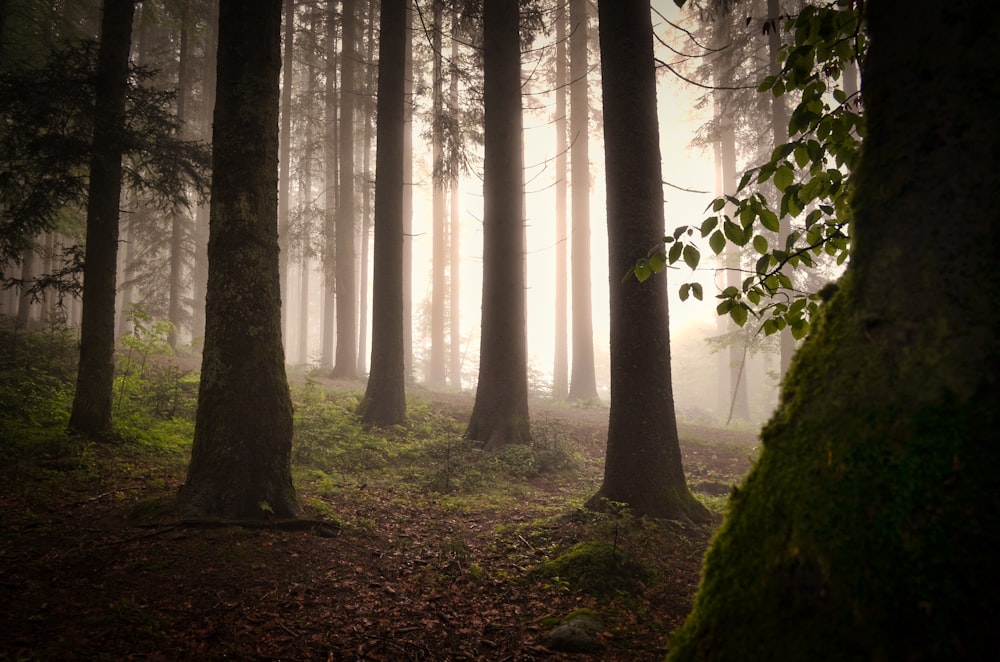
(427, 456)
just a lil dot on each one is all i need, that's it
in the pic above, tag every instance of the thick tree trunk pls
(91, 413)
(869, 527)
(384, 402)
(643, 464)
(583, 380)
(500, 414)
(241, 458)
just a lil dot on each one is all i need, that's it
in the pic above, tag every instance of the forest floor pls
(94, 567)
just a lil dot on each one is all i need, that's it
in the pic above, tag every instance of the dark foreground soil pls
(85, 574)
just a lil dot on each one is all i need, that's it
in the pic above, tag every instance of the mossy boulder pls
(576, 634)
(599, 569)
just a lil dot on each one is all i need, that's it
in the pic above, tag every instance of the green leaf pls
(697, 291)
(718, 204)
(747, 214)
(717, 241)
(675, 252)
(708, 225)
(642, 271)
(769, 219)
(783, 177)
(657, 261)
(760, 244)
(770, 327)
(734, 233)
(691, 256)
(685, 291)
(739, 314)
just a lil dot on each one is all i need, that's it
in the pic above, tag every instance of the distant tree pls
(643, 465)
(384, 402)
(439, 242)
(91, 413)
(583, 377)
(241, 458)
(331, 103)
(560, 367)
(867, 524)
(500, 413)
(346, 356)
(285, 160)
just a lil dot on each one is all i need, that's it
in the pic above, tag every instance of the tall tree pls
(408, 200)
(384, 402)
(284, 160)
(583, 380)
(331, 160)
(643, 465)
(179, 220)
(439, 259)
(241, 458)
(869, 525)
(91, 412)
(367, 186)
(560, 367)
(454, 232)
(346, 356)
(500, 413)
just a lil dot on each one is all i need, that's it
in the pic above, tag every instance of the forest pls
(498, 329)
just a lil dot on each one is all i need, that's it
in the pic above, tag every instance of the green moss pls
(597, 568)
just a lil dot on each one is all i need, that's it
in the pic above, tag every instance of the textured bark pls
(241, 458)
(408, 200)
(500, 414)
(869, 526)
(91, 413)
(384, 402)
(643, 463)
(583, 378)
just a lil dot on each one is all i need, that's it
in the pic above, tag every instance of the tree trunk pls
(179, 220)
(454, 235)
(737, 403)
(583, 382)
(241, 458)
(500, 413)
(439, 255)
(869, 526)
(367, 186)
(331, 159)
(384, 402)
(284, 161)
(643, 464)
(28, 276)
(91, 413)
(346, 357)
(560, 367)
(408, 200)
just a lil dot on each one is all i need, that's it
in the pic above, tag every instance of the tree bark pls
(439, 255)
(408, 201)
(91, 414)
(500, 413)
(869, 526)
(284, 162)
(384, 402)
(643, 465)
(241, 458)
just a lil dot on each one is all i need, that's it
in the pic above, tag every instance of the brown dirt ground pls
(81, 579)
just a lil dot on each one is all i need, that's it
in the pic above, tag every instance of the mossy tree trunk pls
(91, 412)
(869, 527)
(643, 465)
(240, 461)
(500, 413)
(385, 396)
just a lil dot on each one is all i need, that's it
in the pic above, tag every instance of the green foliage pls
(45, 146)
(811, 175)
(597, 568)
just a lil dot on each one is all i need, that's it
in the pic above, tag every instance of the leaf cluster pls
(808, 181)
